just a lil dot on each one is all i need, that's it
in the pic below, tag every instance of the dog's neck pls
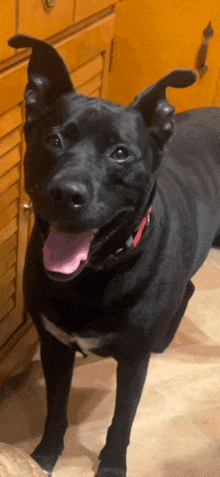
(128, 238)
(130, 244)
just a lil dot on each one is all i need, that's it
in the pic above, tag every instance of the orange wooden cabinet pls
(86, 49)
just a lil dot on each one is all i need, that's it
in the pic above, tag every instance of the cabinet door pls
(155, 37)
(38, 18)
(13, 223)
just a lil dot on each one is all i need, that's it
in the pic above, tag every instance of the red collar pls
(142, 226)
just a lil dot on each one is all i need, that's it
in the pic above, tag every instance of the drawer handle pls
(201, 63)
(28, 207)
(50, 3)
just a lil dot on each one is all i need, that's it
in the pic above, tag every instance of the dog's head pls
(90, 164)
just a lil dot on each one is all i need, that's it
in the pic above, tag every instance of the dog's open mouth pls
(66, 254)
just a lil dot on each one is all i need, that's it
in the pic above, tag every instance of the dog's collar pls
(131, 242)
(141, 228)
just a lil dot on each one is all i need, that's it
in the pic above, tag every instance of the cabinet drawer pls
(86, 9)
(37, 19)
(12, 86)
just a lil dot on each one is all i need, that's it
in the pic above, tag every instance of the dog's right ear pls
(48, 76)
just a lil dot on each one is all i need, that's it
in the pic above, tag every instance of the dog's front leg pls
(130, 382)
(57, 361)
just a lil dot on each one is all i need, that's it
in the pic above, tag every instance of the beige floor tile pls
(184, 361)
(214, 257)
(169, 448)
(203, 309)
(199, 390)
(188, 333)
(208, 277)
(209, 422)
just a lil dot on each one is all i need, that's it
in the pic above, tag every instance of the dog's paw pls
(45, 459)
(45, 462)
(110, 472)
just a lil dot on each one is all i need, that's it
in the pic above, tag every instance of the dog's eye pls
(54, 140)
(120, 154)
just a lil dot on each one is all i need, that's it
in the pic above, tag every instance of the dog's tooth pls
(119, 250)
(129, 242)
(95, 231)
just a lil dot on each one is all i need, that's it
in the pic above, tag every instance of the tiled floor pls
(177, 426)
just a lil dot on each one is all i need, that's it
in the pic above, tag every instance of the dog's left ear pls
(157, 112)
(48, 76)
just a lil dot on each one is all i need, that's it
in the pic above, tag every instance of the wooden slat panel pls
(8, 214)
(8, 245)
(10, 120)
(8, 276)
(8, 230)
(87, 71)
(18, 358)
(10, 141)
(91, 85)
(8, 196)
(7, 307)
(7, 262)
(10, 178)
(6, 290)
(9, 325)
(96, 93)
(9, 160)
(85, 9)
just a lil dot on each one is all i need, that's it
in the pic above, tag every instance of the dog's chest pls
(85, 344)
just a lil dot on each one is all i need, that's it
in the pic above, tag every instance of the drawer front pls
(7, 27)
(87, 56)
(12, 85)
(38, 19)
(85, 9)
(13, 229)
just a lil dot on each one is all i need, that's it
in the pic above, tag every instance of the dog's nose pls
(72, 193)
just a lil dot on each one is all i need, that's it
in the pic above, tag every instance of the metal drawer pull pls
(202, 55)
(50, 3)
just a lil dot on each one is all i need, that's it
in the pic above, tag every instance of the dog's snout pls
(73, 194)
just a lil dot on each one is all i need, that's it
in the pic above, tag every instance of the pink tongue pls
(63, 253)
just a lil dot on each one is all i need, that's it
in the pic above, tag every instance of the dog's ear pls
(48, 76)
(157, 112)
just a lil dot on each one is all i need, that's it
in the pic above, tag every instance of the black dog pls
(102, 272)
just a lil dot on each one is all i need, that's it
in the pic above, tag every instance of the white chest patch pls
(85, 344)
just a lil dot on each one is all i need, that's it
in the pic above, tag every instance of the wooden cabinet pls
(86, 49)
